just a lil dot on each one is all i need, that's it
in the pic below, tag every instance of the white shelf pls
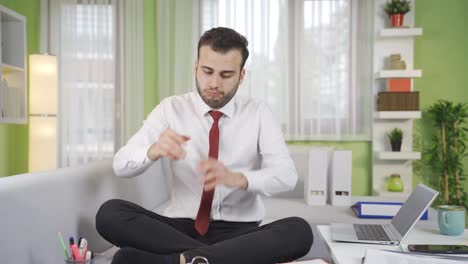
(14, 95)
(400, 32)
(397, 155)
(13, 120)
(385, 193)
(6, 68)
(400, 115)
(386, 74)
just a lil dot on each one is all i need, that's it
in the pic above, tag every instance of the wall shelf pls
(388, 41)
(397, 155)
(386, 74)
(6, 68)
(384, 193)
(400, 32)
(398, 115)
(13, 82)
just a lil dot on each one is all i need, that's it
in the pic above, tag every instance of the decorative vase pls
(397, 20)
(396, 145)
(394, 183)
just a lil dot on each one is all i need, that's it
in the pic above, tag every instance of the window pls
(310, 60)
(88, 83)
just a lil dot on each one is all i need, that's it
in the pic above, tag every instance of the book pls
(379, 210)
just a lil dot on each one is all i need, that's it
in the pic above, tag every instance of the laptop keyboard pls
(370, 232)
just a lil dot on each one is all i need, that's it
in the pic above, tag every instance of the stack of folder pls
(379, 210)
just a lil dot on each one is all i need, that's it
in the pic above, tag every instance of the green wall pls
(442, 54)
(14, 138)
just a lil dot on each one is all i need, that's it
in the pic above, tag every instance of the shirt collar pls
(202, 108)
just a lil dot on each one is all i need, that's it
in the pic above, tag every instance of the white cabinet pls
(13, 85)
(389, 41)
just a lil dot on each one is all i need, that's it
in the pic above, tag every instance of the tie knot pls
(216, 115)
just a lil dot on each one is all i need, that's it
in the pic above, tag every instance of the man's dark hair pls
(222, 40)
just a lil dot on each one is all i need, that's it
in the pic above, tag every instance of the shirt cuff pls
(141, 155)
(255, 181)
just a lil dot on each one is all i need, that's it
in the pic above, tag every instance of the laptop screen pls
(413, 208)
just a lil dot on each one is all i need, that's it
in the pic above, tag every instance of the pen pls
(65, 251)
(83, 248)
(74, 250)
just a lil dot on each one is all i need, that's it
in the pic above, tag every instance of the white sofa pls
(35, 206)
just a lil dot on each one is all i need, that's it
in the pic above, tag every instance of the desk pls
(277, 208)
(353, 253)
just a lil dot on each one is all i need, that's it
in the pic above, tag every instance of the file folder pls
(379, 210)
(315, 183)
(339, 184)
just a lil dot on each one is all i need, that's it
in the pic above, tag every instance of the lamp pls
(43, 112)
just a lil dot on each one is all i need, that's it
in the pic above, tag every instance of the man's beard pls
(217, 103)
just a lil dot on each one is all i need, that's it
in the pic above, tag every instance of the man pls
(225, 150)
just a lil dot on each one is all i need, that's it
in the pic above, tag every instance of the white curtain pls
(310, 60)
(177, 38)
(99, 45)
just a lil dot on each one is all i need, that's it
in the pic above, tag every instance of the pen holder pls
(74, 261)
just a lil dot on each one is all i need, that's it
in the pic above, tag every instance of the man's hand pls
(216, 173)
(168, 145)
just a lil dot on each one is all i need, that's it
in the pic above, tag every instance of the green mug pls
(451, 220)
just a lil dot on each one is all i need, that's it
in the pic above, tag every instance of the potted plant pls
(396, 9)
(396, 138)
(444, 156)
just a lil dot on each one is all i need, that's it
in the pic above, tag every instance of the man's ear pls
(195, 66)
(242, 74)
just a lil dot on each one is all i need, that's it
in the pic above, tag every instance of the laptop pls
(394, 232)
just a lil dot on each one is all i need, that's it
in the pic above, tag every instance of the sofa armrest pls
(36, 206)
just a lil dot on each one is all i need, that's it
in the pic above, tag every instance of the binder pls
(340, 178)
(315, 182)
(379, 210)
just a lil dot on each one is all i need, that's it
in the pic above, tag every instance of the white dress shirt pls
(250, 142)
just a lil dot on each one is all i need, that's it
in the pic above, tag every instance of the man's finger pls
(180, 139)
(209, 187)
(209, 177)
(172, 150)
(207, 165)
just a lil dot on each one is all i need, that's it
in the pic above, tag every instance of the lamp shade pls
(42, 84)
(42, 112)
(42, 143)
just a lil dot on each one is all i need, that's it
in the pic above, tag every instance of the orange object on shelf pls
(399, 85)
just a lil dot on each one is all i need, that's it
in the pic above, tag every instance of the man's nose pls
(215, 81)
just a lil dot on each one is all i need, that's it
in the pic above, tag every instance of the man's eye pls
(225, 76)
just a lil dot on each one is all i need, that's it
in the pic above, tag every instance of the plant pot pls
(397, 20)
(396, 146)
(395, 183)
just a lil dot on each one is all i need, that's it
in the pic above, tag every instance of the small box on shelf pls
(398, 85)
(402, 101)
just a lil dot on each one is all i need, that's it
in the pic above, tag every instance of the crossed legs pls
(147, 237)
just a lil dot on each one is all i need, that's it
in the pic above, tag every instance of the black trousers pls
(147, 236)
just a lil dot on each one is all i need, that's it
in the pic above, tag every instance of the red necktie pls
(203, 216)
